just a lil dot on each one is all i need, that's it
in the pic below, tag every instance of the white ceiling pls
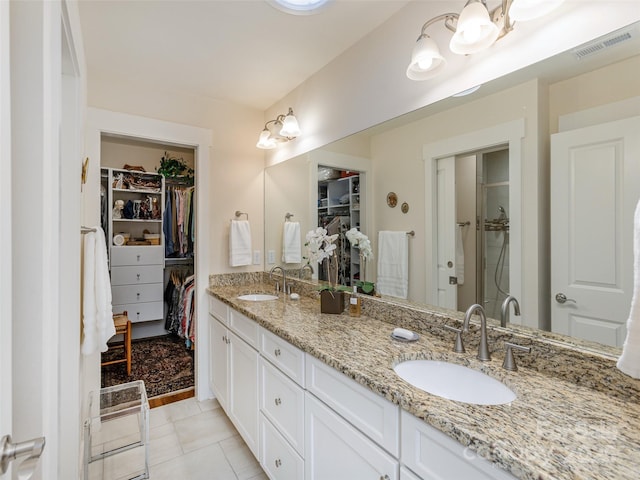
(241, 51)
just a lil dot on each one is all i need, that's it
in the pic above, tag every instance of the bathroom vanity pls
(315, 396)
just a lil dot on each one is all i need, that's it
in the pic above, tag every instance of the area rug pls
(164, 363)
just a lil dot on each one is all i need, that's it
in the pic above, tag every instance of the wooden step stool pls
(123, 327)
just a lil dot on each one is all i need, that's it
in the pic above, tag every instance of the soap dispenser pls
(355, 305)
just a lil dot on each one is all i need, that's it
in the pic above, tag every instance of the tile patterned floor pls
(189, 440)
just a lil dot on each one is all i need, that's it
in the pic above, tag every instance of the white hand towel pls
(629, 361)
(393, 264)
(239, 243)
(291, 247)
(97, 312)
(459, 255)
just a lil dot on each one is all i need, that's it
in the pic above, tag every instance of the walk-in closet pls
(148, 216)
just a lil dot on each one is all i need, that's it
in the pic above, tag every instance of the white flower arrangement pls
(320, 246)
(360, 240)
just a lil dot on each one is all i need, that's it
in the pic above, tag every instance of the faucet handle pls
(458, 346)
(509, 360)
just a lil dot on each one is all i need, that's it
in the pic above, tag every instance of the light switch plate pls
(256, 257)
(271, 257)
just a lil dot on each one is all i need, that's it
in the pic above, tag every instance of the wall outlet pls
(271, 257)
(256, 257)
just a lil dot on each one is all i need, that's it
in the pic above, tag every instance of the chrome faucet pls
(284, 277)
(504, 312)
(483, 348)
(301, 271)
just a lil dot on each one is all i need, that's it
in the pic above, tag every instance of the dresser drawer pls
(146, 255)
(218, 309)
(244, 327)
(277, 458)
(372, 414)
(286, 357)
(282, 402)
(146, 292)
(141, 312)
(136, 274)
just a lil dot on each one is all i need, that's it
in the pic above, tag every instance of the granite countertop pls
(555, 429)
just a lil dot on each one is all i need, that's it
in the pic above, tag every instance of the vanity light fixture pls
(474, 29)
(280, 130)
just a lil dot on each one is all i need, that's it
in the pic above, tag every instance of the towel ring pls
(287, 216)
(239, 213)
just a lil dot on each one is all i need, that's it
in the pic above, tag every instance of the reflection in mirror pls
(517, 252)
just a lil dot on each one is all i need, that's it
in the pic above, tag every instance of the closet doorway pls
(148, 215)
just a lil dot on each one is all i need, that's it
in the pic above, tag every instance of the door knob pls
(32, 449)
(562, 298)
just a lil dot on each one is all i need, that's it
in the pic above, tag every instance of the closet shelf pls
(136, 220)
(133, 190)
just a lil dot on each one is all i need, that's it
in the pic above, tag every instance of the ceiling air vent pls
(601, 44)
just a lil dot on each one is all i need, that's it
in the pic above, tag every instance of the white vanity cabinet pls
(432, 455)
(234, 368)
(336, 449)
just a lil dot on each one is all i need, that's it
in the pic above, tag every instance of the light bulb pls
(265, 141)
(290, 127)
(426, 61)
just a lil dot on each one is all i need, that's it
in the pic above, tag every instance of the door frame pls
(159, 131)
(512, 134)
(6, 316)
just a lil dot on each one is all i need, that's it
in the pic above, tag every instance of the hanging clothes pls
(179, 296)
(178, 226)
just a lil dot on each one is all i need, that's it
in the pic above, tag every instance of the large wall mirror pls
(498, 140)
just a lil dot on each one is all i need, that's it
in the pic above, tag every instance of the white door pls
(5, 226)
(447, 289)
(595, 185)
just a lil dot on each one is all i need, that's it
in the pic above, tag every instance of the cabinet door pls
(219, 361)
(435, 456)
(136, 275)
(141, 312)
(147, 255)
(146, 292)
(243, 390)
(278, 459)
(334, 449)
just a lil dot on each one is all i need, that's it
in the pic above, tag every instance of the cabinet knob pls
(138, 258)
(138, 295)
(138, 315)
(386, 477)
(138, 276)
(278, 401)
(277, 352)
(278, 463)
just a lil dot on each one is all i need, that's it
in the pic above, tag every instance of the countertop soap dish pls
(404, 335)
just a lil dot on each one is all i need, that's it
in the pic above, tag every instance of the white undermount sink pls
(455, 382)
(257, 297)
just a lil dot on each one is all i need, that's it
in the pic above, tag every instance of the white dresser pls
(137, 281)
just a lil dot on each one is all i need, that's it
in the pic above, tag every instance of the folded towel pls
(459, 255)
(97, 312)
(291, 247)
(393, 264)
(239, 243)
(629, 361)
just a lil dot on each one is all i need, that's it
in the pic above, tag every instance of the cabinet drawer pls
(146, 292)
(286, 357)
(141, 312)
(433, 455)
(372, 414)
(218, 309)
(277, 458)
(136, 274)
(146, 255)
(282, 402)
(244, 327)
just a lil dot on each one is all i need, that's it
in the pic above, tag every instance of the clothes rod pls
(84, 229)
(464, 224)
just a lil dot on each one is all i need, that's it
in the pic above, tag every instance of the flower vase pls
(331, 302)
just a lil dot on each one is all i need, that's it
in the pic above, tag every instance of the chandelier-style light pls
(280, 130)
(475, 29)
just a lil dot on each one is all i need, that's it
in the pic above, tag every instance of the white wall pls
(235, 176)
(367, 84)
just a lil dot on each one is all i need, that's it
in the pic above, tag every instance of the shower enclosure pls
(482, 199)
